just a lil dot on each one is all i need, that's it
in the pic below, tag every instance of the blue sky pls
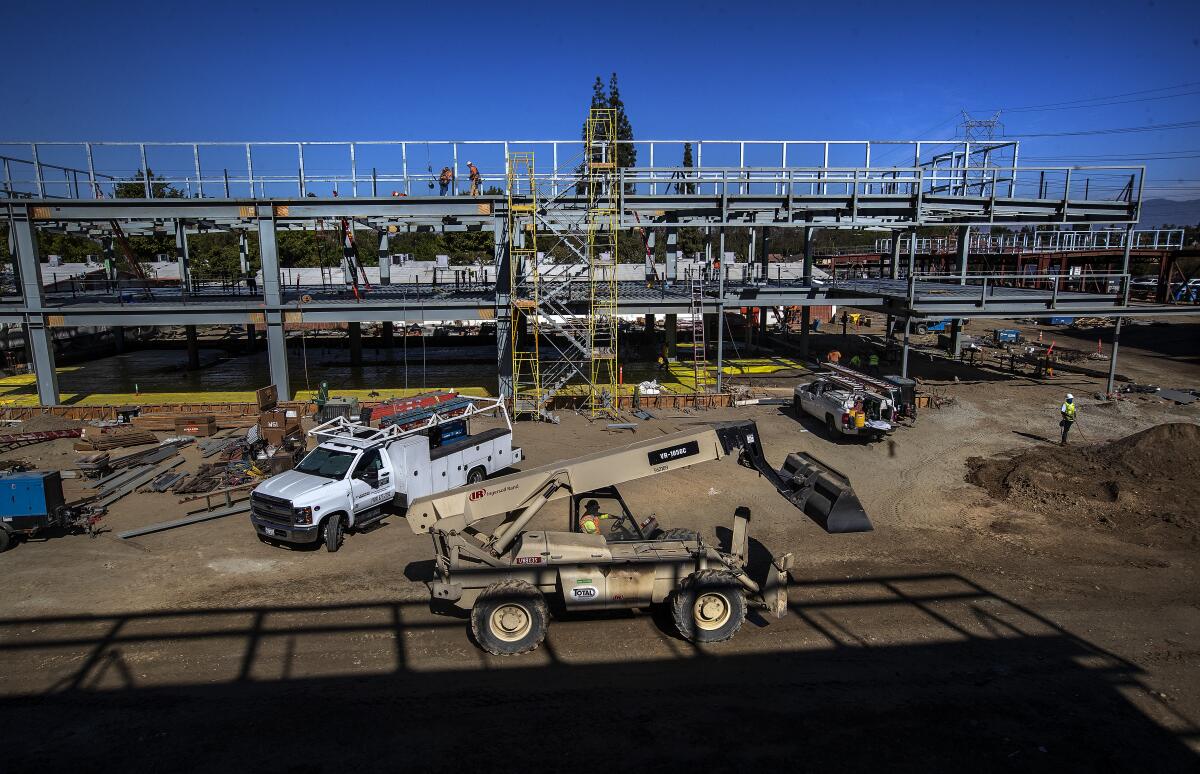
(721, 70)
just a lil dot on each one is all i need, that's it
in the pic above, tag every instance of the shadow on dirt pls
(989, 685)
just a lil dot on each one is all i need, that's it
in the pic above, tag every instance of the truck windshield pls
(328, 463)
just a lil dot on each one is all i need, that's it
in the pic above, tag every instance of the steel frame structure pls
(964, 185)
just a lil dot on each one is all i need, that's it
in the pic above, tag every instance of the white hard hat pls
(1070, 396)
(468, 162)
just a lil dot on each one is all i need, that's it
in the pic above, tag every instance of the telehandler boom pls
(489, 563)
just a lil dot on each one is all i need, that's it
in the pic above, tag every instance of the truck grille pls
(273, 509)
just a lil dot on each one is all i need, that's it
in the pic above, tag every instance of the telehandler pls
(488, 563)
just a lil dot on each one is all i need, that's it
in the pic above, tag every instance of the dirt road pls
(961, 632)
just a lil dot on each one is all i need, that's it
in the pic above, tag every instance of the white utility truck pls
(847, 405)
(357, 471)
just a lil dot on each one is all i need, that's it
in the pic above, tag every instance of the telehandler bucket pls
(823, 493)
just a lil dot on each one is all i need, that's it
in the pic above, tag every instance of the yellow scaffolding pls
(603, 224)
(528, 393)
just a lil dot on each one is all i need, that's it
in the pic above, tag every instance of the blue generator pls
(30, 501)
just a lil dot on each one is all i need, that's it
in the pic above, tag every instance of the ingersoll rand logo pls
(478, 493)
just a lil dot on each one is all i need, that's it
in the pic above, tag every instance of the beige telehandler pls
(508, 577)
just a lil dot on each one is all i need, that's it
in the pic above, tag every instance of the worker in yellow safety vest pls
(590, 521)
(1068, 411)
(873, 364)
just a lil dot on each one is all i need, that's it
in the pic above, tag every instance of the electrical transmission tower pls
(981, 129)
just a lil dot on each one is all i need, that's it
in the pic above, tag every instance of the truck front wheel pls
(510, 617)
(709, 606)
(335, 530)
(476, 475)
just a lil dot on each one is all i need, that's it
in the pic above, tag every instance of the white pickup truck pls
(356, 471)
(845, 409)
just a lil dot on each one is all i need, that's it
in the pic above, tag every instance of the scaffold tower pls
(528, 398)
(603, 224)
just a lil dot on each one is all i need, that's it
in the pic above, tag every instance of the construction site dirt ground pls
(964, 631)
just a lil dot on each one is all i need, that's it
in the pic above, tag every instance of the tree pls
(687, 164)
(626, 152)
(135, 187)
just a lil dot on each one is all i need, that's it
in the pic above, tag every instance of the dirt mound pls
(1143, 486)
(44, 423)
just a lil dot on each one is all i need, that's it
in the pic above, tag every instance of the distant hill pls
(1161, 212)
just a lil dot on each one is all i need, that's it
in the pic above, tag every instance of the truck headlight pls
(302, 515)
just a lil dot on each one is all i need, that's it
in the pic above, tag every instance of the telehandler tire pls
(709, 606)
(334, 531)
(510, 617)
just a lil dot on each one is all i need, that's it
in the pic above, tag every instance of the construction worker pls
(589, 522)
(445, 179)
(1068, 411)
(473, 172)
(663, 356)
(856, 362)
(834, 356)
(873, 364)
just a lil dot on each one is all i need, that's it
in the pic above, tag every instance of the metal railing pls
(412, 167)
(1043, 241)
(1104, 283)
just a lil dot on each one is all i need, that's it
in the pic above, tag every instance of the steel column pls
(805, 311)
(964, 252)
(1116, 342)
(40, 339)
(671, 268)
(355, 330)
(277, 355)
(904, 349)
(385, 260)
(193, 347)
(268, 251)
(268, 254)
(721, 311)
(504, 344)
(895, 254)
(912, 253)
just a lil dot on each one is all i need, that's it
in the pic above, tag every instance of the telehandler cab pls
(505, 574)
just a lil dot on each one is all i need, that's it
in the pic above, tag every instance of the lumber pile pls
(105, 438)
(168, 423)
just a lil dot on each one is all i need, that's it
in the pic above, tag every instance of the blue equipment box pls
(1061, 320)
(1007, 335)
(30, 494)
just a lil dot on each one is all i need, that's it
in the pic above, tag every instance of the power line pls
(1117, 130)
(1102, 104)
(1050, 105)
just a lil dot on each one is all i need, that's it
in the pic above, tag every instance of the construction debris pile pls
(1143, 487)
